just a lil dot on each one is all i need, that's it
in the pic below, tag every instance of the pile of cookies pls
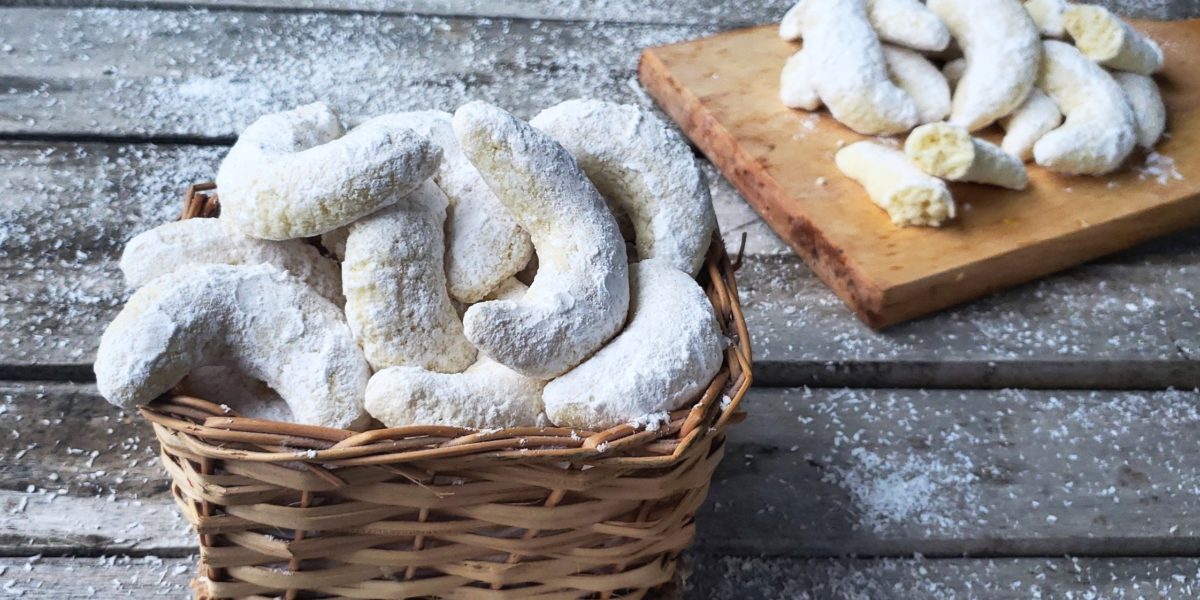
(1069, 84)
(472, 270)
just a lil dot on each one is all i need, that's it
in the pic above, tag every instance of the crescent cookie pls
(484, 243)
(395, 285)
(950, 152)
(1099, 131)
(486, 395)
(895, 184)
(185, 244)
(849, 70)
(645, 170)
(293, 175)
(1110, 41)
(579, 297)
(903, 22)
(668, 353)
(259, 320)
(1148, 109)
(911, 72)
(1003, 50)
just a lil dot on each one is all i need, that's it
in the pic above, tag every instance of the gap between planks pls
(723, 578)
(817, 473)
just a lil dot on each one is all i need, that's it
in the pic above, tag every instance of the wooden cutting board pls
(723, 91)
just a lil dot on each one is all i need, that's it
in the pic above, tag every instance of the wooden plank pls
(180, 75)
(209, 74)
(723, 91)
(821, 473)
(1128, 321)
(735, 578)
(626, 11)
(717, 578)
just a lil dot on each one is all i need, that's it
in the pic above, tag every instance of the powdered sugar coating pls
(395, 285)
(243, 394)
(1048, 14)
(921, 80)
(668, 352)
(1036, 117)
(580, 294)
(486, 395)
(185, 244)
(485, 245)
(849, 69)
(904, 22)
(908, 23)
(291, 176)
(911, 72)
(796, 87)
(1110, 41)
(1148, 109)
(259, 319)
(1002, 47)
(949, 151)
(1100, 130)
(645, 170)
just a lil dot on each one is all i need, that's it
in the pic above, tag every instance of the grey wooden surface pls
(1031, 449)
(713, 578)
(940, 473)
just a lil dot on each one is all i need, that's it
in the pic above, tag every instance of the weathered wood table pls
(1037, 444)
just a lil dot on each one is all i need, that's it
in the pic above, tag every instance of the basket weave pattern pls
(294, 511)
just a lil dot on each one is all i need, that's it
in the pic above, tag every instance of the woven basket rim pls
(209, 430)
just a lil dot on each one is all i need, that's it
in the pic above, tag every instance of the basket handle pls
(196, 203)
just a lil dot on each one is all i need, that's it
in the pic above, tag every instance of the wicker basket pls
(293, 511)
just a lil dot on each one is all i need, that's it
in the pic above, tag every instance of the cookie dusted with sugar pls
(796, 87)
(895, 184)
(645, 170)
(579, 297)
(395, 286)
(903, 22)
(486, 395)
(1023, 127)
(258, 319)
(950, 152)
(192, 242)
(1002, 48)
(294, 175)
(1149, 111)
(1036, 117)
(668, 353)
(484, 243)
(911, 72)
(848, 68)
(238, 392)
(1110, 41)
(1048, 14)
(921, 80)
(1099, 130)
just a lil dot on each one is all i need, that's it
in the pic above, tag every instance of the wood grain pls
(181, 75)
(723, 91)
(866, 472)
(1128, 321)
